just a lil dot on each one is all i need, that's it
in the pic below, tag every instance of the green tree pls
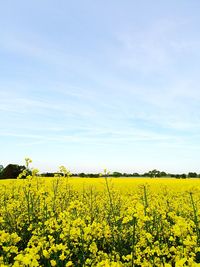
(82, 174)
(117, 174)
(163, 174)
(1, 168)
(154, 173)
(192, 175)
(12, 171)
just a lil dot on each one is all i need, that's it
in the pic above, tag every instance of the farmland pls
(99, 222)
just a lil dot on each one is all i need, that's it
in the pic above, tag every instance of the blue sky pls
(100, 84)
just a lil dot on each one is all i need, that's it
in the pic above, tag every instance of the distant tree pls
(1, 168)
(117, 174)
(93, 175)
(180, 176)
(12, 171)
(82, 174)
(47, 174)
(154, 173)
(183, 176)
(135, 174)
(192, 175)
(163, 174)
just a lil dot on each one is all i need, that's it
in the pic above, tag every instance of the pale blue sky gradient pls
(100, 84)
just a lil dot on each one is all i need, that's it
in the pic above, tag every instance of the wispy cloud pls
(74, 83)
(155, 48)
(95, 136)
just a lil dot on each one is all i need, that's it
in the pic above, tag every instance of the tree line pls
(13, 170)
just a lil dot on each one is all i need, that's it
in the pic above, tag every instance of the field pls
(99, 222)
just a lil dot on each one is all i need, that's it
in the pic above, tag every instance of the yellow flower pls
(46, 254)
(53, 263)
(69, 263)
(62, 257)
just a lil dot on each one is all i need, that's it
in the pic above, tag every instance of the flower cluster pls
(65, 221)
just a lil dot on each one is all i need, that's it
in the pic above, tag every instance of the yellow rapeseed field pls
(99, 222)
